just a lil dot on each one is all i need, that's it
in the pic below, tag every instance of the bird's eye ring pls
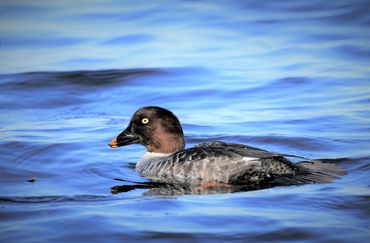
(145, 120)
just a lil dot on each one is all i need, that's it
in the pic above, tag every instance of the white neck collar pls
(154, 154)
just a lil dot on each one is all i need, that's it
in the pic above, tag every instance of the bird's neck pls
(149, 158)
(166, 143)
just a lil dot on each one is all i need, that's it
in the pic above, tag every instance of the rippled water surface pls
(287, 76)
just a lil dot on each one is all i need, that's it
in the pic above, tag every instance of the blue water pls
(286, 76)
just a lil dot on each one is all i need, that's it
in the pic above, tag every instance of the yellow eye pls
(145, 120)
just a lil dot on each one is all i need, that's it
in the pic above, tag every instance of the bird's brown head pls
(156, 128)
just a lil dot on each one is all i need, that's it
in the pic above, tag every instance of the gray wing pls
(221, 162)
(238, 148)
(247, 150)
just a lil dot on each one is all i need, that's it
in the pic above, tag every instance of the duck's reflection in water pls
(161, 189)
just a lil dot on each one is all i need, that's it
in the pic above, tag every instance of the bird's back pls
(219, 162)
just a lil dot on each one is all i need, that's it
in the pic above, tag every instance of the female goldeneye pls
(211, 164)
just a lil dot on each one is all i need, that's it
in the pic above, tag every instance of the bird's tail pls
(315, 171)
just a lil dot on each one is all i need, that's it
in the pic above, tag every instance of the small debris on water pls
(32, 179)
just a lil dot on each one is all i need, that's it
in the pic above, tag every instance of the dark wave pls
(87, 79)
(51, 199)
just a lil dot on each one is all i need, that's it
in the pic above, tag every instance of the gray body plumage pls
(232, 163)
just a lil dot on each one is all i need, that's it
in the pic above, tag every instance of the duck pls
(212, 164)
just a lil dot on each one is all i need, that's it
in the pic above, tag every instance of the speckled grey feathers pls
(236, 164)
